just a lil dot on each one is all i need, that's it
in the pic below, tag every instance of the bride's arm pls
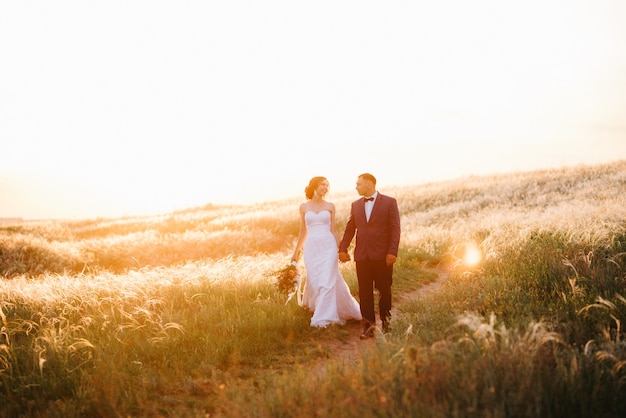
(301, 236)
(333, 224)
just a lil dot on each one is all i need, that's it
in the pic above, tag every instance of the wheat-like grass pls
(102, 315)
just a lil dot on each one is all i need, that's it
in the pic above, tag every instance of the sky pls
(123, 108)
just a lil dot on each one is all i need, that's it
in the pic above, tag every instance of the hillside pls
(436, 218)
(180, 315)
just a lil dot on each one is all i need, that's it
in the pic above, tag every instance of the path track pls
(348, 347)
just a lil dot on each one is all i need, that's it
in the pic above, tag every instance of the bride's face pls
(322, 189)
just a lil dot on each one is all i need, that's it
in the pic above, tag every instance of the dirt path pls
(348, 347)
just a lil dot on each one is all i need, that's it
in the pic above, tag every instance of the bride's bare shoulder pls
(304, 206)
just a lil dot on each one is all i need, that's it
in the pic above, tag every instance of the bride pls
(325, 292)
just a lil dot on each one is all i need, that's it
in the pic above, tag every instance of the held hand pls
(344, 257)
(390, 259)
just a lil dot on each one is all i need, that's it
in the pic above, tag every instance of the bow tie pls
(368, 199)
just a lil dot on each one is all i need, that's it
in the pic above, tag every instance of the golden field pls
(179, 315)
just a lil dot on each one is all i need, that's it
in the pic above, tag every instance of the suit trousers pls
(374, 274)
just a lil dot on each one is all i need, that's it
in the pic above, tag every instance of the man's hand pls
(390, 259)
(344, 257)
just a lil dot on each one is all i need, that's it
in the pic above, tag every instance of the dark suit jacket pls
(378, 237)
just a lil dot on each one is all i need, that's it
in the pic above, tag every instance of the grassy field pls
(178, 315)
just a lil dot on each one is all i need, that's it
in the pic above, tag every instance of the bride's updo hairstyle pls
(312, 187)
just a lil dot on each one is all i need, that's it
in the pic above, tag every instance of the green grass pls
(177, 316)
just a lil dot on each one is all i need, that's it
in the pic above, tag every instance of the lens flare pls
(473, 255)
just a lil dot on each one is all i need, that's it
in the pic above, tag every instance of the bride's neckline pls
(317, 213)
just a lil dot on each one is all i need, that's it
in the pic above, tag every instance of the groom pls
(376, 221)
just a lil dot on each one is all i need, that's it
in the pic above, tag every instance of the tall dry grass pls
(176, 316)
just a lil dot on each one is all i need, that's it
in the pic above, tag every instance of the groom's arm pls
(348, 234)
(394, 228)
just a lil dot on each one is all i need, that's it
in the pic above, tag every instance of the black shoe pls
(368, 332)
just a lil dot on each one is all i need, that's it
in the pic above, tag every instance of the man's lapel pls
(376, 205)
(361, 209)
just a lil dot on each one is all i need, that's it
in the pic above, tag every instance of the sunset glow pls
(473, 255)
(115, 109)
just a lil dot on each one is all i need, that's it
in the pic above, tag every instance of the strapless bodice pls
(317, 219)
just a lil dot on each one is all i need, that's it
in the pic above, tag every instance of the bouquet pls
(288, 280)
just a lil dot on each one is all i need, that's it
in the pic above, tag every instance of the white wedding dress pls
(325, 292)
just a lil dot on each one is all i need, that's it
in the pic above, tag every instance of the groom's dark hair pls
(368, 176)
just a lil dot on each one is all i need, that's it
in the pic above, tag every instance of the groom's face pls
(365, 187)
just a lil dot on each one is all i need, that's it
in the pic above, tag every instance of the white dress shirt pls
(369, 205)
